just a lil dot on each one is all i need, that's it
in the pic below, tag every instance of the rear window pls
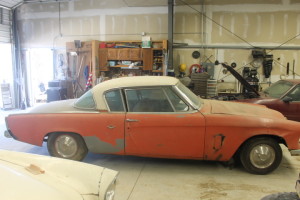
(86, 101)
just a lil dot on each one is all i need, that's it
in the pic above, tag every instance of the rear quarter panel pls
(32, 128)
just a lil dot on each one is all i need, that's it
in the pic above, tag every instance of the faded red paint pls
(197, 135)
(32, 128)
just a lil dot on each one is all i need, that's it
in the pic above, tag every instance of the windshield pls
(86, 101)
(278, 89)
(194, 100)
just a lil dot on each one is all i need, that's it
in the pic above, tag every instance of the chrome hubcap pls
(262, 156)
(66, 146)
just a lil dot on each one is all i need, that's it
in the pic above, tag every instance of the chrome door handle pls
(132, 120)
(111, 126)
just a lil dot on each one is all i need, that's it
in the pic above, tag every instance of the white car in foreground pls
(35, 177)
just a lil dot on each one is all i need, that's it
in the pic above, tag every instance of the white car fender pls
(28, 176)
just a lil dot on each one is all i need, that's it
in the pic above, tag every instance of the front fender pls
(224, 137)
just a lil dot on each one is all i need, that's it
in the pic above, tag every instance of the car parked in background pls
(283, 96)
(29, 176)
(154, 116)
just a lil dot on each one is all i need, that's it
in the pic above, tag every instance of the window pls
(114, 101)
(178, 104)
(278, 89)
(86, 101)
(295, 93)
(148, 100)
(194, 100)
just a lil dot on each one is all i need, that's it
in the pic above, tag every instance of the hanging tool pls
(294, 69)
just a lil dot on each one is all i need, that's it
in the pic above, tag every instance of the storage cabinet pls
(112, 53)
(135, 54)
(96, 57)
(123, 54)
(158, 60)
(151, 59)
(147, 59)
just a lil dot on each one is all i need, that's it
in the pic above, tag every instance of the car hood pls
(64, 106)
(237, 108)
(35, 177)
(261, 100)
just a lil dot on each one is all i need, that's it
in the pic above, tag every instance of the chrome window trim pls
(189, 106)
(185, 98)
(122, 98)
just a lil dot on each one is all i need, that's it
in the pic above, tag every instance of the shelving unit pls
(108, 58)
(158, 59)
(6, 96)
(112, 53)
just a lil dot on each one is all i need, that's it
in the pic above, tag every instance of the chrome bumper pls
(295, 152)
(7, 134)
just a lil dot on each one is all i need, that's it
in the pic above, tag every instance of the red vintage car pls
(283, 96)
(158, 117)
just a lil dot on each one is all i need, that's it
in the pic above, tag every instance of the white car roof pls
(135, 81)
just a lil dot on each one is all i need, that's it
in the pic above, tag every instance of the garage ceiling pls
(10, 4)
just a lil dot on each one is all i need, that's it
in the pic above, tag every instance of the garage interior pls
(50, 49)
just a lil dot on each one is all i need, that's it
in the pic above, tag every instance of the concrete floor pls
(155, 179)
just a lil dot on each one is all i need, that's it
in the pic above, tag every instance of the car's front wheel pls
(66, 145)
(261, 155)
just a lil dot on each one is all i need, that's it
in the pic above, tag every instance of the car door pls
(160, 124)
(109, 125)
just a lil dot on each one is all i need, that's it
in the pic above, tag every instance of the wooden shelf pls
(124, 66)
(146, 56)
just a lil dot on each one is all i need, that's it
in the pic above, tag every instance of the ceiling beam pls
(5, 7)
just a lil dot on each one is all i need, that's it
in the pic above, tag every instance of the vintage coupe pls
(29, 176)
(158, 117)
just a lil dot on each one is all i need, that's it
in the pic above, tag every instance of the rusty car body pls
(29, 176)
(158, 117)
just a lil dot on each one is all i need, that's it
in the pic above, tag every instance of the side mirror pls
(287, 99)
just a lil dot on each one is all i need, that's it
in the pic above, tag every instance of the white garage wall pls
(249, 23)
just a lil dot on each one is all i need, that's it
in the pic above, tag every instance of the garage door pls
(5, 25)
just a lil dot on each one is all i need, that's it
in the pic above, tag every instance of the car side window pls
(114, 101)
(147, 100)
(86, 101)
(295, 93)
(177, 102)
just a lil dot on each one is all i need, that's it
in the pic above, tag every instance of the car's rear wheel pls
(261, 155)
(67, 145)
